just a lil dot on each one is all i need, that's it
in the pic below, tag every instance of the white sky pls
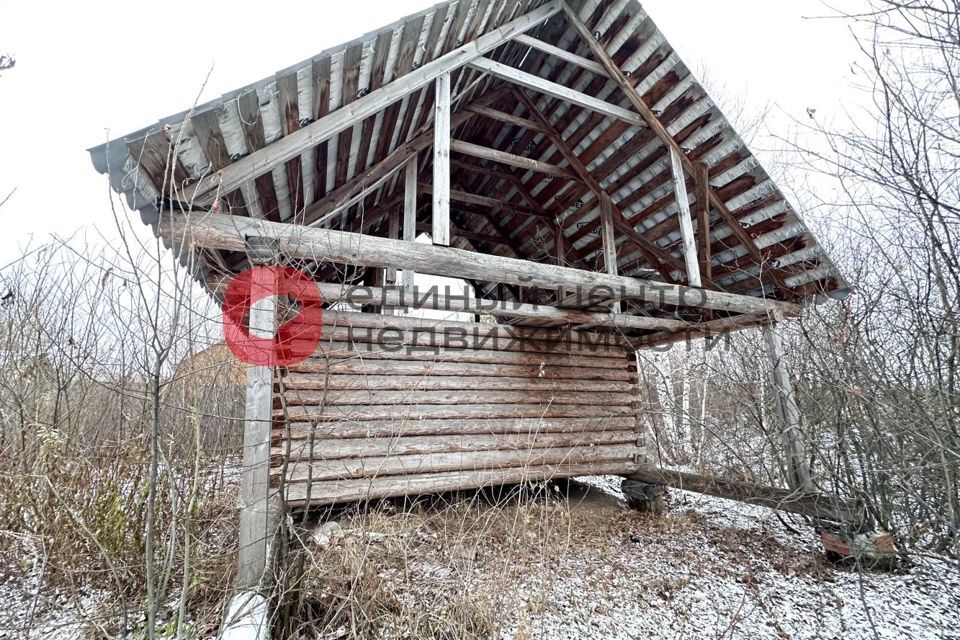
(84, 68)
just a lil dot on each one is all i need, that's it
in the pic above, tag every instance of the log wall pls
(391, 406)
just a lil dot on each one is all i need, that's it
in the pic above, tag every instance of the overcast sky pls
(88, 68)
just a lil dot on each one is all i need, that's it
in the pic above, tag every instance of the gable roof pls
(772, 253)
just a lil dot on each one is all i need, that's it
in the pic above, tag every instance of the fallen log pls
(812, 505)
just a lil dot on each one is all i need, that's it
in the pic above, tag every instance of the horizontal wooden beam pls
(226, 232)
(812, 505)
(562, 54)
(290, 146)
(484, 201)
(486, 153)
(555, 90)
(502, 116)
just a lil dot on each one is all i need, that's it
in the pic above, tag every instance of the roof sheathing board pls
(627, 31)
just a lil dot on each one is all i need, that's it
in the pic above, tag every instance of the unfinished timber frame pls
(558, 160)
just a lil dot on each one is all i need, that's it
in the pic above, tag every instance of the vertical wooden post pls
(390, 276)
(609, 239)
(702, 178)
(798, 473)
(560, 249)
(257, 525)
(441, 162)
(409, 216)
(686, 225)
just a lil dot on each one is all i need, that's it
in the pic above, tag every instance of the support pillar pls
(798, 472)
(441, 162)
(409, 216)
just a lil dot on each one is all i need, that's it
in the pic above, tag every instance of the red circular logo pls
(293, 341)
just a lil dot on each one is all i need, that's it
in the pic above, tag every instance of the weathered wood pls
(352, 490)
(441, 162)
(513, 160)
(686, 224)
(812, 505)
(448, 412)
(502, 116)
(255, 527)
(264, 160)
(404, 445)
(562, 54)
(367, 467)
(300, 381)
(227, 232)
(484, 201)
(651, 119)
(429, 367)
(453, 427)
(530, 81)
(502, 309)
(454, 397)
(798, 471)
(409, 215)
(701, 178)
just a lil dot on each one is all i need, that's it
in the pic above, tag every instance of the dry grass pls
(454, 567)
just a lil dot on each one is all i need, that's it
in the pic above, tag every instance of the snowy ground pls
(735, 571)
(709, 568)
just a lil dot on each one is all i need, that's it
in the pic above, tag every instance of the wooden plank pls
(296, 242)
(424, 445)
(484, 201)
(530, 81)
(206, 126)
(248, 107)
(433, 368)
(340, 413)
(562, 54)
(324, 128)
(258, 423)
(566, 335)
(501, 116)
(686, 224)
(440, 215)
(367, 351)
(287, 91)
(321, 107)
(702, 199)
(811, 505)
(349, 87)
(410, 216)
(477, 151)
(321, 493)
(798, 470)
(454, 397)
(381, 51)
(302, 381)
(377, 467)
(454, 427)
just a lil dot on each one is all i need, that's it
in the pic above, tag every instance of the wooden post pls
(609, 239)
(702, 179)
(257, 523)
(390, 276)
(686, 225)
(798, 473)
(409, 215)
(441, 163)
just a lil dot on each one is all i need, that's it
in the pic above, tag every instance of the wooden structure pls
(565, 163)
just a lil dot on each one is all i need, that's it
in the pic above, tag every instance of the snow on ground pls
(594, 569)
(722, 569)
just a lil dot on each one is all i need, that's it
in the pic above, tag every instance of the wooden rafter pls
(654, 123)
